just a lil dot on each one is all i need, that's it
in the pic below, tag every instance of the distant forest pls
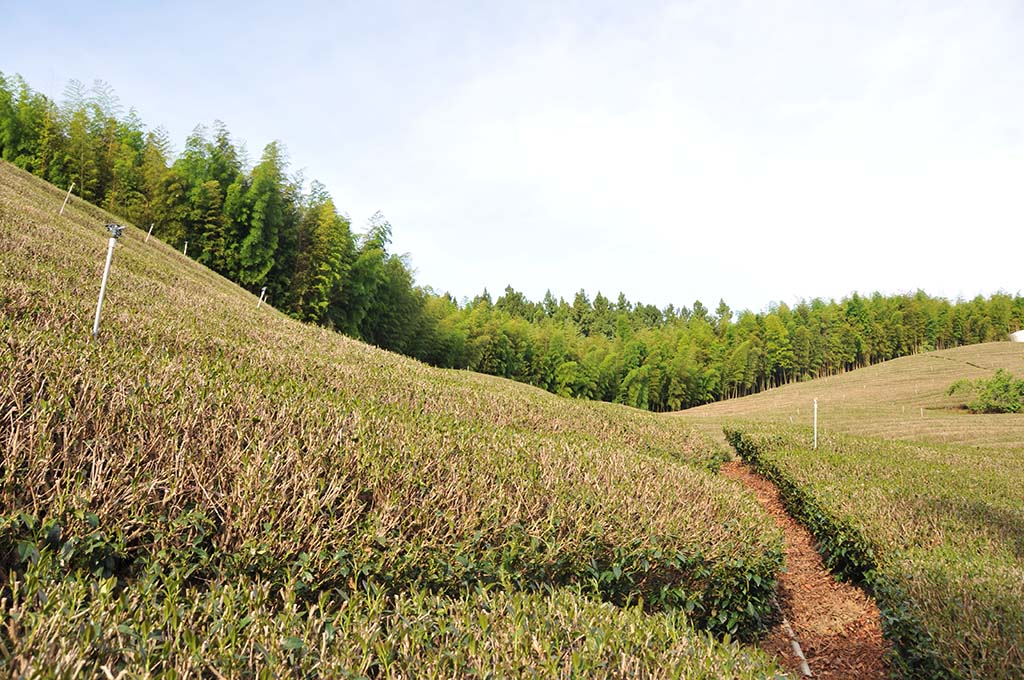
(259, 226)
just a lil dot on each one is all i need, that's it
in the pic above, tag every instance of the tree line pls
(258, 225)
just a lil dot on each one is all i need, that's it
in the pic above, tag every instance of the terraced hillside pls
(211, 488)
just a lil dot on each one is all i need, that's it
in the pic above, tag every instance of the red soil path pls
(836, 624)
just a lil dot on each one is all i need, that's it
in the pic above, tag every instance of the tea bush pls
(933, 531)
(204, 456)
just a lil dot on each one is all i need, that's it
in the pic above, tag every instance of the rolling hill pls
(211, 488)
(909, 494)
(900, 399)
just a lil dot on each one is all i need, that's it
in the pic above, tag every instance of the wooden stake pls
(815, 424)
(66, 198)
(115, 233)
(150, 233)
(103, 287)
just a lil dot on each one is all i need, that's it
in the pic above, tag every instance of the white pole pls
(66, 198)
(185, 250)
(262, 293)
(150, 233)
(815, 424)
(103, 287)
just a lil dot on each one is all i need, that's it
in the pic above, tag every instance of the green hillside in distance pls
(213, 489)
(260, 226)
(900, 399)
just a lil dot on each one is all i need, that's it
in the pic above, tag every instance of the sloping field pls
(935, 531)
(899, 399)
(215, 489)
(908, 493)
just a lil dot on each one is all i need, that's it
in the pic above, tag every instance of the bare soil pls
(837, 624)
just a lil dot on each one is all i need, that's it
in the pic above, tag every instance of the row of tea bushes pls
(202, 437)
(935, 532)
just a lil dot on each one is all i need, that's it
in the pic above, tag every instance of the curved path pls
(837, 624)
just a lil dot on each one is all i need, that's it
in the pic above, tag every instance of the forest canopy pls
(258, 225)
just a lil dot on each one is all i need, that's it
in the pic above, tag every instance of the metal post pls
(185, 249)
(262, 294)
(115, 233)
(815, 424)
(66, 197)
(150, 233)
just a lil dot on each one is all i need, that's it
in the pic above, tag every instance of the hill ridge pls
(903, 398)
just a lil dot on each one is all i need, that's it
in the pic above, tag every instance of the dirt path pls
(836, 624)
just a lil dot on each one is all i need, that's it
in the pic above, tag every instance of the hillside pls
(214, 488)
(251, 220)
(900, 399)
(907, 493)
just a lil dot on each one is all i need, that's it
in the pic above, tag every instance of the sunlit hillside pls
(211, 488)
(903, 398)
(908, 493)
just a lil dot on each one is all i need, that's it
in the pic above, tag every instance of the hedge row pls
(846, 552)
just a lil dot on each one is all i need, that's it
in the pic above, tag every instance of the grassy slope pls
(214, 488)
(933, 503)
(886, 400)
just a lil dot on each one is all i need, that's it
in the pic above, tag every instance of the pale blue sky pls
(756, 151)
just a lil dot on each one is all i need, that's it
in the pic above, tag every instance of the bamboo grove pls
(259, 226)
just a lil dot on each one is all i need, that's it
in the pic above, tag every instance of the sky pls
(757, 152)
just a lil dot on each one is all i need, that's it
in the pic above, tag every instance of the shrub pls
(1002, 393)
